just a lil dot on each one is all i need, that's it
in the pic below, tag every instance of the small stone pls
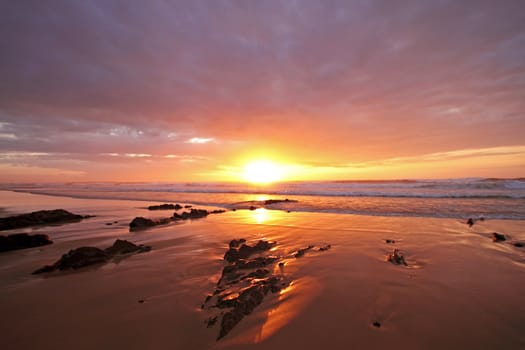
(376, 324)
(140, 301)
(518, 244)
(498, 237)
(396, 258)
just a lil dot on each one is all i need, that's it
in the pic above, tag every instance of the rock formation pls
(86, 256)
(42, 217)
(22, 241)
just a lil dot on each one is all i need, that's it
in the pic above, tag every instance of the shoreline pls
(173, 197)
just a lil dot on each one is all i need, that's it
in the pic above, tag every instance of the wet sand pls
(460, 290)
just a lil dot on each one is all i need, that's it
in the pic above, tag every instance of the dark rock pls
(22, 241)
(140, 223)
(471, 221)
(276, 201)
(234, 243)
(194, 214)
(121, 247)
(42, 217)
(300, 253)
(229, 320)
(396, 258)
(259, 273)
(210, 322)
(218, 211)
(252, 207)
(187, 206)
(245, 250)
(518, 244)
(231, 255)
(165, 207)
(388, 241)
(498, 237)
(376, 324)
(234, 209)
(244, 305)
(81, 257)
(109, 223)
(86, 256)
(325, 248)
(140, 301)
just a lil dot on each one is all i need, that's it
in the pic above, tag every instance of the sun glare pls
(262, 172)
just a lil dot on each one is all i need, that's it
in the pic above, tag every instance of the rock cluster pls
(42, 217)
(248, 276)
(141, 223)
(165, 207)
(86, 256)
(22, 241)
(276, 201)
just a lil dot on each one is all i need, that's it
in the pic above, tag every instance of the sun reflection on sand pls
(260, 215)
(291, 301)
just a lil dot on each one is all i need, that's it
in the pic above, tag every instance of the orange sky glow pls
(312, 91)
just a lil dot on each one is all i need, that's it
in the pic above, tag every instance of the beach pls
(459, 290)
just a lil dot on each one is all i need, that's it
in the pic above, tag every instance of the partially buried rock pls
(141, 223)
(77, 258)
(498, 237)
(194, 214)
(300, 253)
(42, 217)
(276, 201)
(125, 247)
(86, 256)
(396, 258)
(22, 241)
(165, 207)
(518, 244)
(245, 250)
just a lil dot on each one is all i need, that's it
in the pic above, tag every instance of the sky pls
(195, 90)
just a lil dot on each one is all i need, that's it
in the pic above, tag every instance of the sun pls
(262, 172)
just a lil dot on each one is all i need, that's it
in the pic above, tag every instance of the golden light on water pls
(260, 215)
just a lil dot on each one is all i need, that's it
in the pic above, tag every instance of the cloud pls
(199, 140)
(353, 81)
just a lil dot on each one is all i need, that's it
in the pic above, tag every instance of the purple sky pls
(177, 90)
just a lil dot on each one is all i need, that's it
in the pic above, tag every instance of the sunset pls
(262, 174)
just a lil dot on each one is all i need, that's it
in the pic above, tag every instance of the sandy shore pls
(459, 291)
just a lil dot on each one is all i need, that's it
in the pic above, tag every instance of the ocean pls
(452, 198)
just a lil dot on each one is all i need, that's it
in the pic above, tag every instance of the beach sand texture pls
(460, 289)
